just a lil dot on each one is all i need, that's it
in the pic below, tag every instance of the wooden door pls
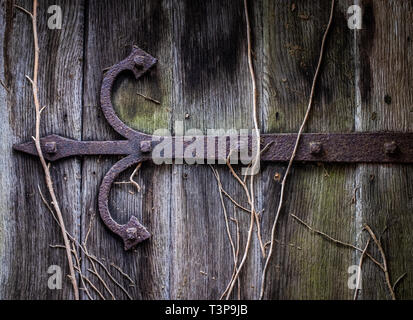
(202, 80)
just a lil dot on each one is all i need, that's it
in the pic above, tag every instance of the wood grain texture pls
(109, 39)
(199, 68)
(306, 266)
(202, 80)
(27, 228)
(385, 100)
(215, 91)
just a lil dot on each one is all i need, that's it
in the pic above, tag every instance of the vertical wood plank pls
(27, 228)
(203, 67)
(113, 27)
(305, 266)
(214, 92)
(386, 191)
(202, 80)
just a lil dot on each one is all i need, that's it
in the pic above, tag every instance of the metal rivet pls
(146, 146)
(390, 147)
(316, 147)
(131, 233)
(139, 60)
(50, 147)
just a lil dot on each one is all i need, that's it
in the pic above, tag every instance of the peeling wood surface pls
(202, 80)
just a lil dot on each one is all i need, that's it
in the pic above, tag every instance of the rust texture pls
(381, 147)
(375, 147)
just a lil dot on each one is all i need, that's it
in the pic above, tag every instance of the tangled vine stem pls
(383, 256)
(76, 245)
(252, 169)
(235, 248)
(364, 253)
(310, 103)
(356, 292)
(36, 138)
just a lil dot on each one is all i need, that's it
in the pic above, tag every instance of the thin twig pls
(348, 245)
(91, 258)
(228, 195)
(256, 160)
(4, 86)
(131, 178)
(103, 282)
(148, 98)
(238, 248)
(383, 256)
(88, 230)
(123, 273)
(24, 10)
(310, 103)
(95, 288)
(359, 270)
(325, 234)
(80, 271)
(250, 230)
(46, 168)
(244, 257)
(112, 278)
(235, 202)
(266, 147)
(234, 251)
(398, 281)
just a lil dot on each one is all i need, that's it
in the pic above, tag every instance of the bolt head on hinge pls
(50, 147)
(316, 148)
(391, 148)
(146, 146)
(131, 233)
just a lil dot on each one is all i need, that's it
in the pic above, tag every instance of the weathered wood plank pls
(175, 262)
(27, 228)
(202, 80)
(385, 99)
(215, 91)
(113, 27)
(306, 266)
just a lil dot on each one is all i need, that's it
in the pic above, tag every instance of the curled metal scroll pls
(138, 62)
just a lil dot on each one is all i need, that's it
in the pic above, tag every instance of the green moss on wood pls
(137, 112)
(325, 202)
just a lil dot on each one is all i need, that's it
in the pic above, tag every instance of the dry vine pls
(235, 247)
(249, 191)
(254, 215)
(36, 138)
(71, 245)
(356, 292)
(310, 103)
(372, 236)
(383, 256)
(76, 246)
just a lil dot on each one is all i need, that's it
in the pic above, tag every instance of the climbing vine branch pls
(284, 180)
(46, 168)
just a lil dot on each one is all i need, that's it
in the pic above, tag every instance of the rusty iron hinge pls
(381, 147)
